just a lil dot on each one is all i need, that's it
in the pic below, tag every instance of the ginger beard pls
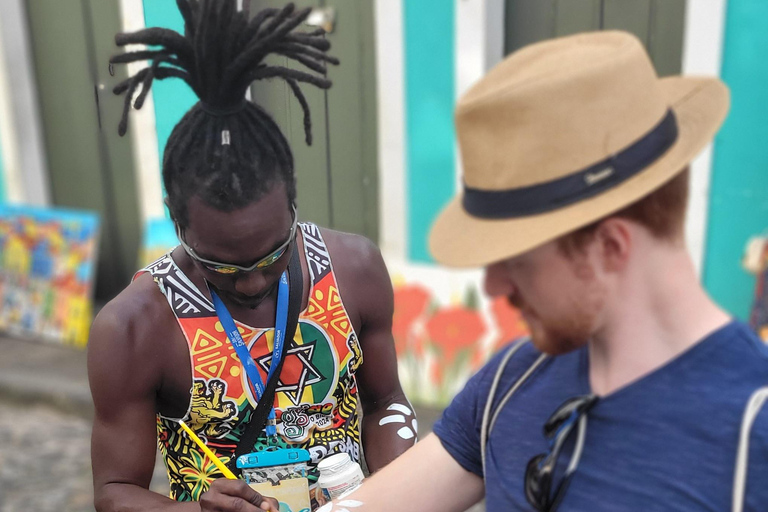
(563, 313)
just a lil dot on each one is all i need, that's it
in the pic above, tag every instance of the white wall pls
(27, 172)
(12, 175)
(390, 66)
(702, 55)
(142, 127)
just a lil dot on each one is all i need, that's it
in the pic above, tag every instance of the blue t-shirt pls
(665, 442)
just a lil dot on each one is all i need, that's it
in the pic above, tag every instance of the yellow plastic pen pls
(199, 442)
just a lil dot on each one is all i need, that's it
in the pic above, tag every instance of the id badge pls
(279, 474)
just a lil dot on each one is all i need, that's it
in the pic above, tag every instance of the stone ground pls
(45, 463)
(45, 429)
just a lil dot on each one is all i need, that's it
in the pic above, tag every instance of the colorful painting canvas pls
(159, 238)
(440, 346)
(47, 262)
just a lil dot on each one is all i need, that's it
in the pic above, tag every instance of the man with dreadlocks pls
(229, 175)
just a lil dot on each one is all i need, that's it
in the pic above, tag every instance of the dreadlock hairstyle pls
(227, 150)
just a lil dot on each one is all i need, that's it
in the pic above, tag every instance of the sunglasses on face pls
(540, 473)
(229, 268)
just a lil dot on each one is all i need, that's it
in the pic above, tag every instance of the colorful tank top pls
(316, 398)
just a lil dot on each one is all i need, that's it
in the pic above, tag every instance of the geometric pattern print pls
(325, 308)
(318, 259)
(183, 296)
(190, 472)
(318, 397)
(343, 437)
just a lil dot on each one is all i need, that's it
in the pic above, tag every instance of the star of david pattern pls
(308, 375)
(317, 383)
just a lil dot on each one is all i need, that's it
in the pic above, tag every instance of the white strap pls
(755, 404)
(579, 448)
(753, 408)
(488, 424)
(514, 389)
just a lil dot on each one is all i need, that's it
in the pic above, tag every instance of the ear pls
(614, 238)
(167, 204)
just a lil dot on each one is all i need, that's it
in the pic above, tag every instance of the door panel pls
(577, 16)
(528, 21)
(352, 120)
(337, 175)
(660, 24)
(90, 167)
(630, 15)
(311, 162)
(665, 40)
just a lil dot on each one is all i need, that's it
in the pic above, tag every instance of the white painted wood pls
(143, 128)
(702, 55)
(22, 90)
(390, 64)
(470, 53)
(12, 172)
(494, 32)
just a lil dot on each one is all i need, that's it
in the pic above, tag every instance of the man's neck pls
(660, 311)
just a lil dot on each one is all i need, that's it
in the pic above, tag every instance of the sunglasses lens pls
(271, 259)
(534, 490)
(223, 270)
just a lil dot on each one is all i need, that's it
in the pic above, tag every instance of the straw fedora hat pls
(563, 133)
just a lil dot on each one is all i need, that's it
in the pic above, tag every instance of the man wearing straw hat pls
(635, 390)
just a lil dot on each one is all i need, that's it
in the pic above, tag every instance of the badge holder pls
(279, 474)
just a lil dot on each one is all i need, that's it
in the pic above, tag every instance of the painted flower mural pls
(440, 346)
(411, 302)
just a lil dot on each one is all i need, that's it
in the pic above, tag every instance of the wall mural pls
(47, 262)
(439, 346)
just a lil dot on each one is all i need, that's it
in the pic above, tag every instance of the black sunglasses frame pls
(232, 269)
(539, 473)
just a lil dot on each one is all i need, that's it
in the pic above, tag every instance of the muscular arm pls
(124, 377)
(389, 422)
(130, 351)
(426, 478)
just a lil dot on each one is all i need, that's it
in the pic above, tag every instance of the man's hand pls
(235, 496)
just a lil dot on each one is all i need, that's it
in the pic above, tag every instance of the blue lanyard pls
(236, 339)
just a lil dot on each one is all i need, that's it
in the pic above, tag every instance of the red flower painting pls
(411, 302)
(509, 321)
(455, 328)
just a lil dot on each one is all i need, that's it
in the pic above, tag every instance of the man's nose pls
(250, 283)
(497, 281)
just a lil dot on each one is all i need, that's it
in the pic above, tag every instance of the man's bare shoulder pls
(129, 324)
(352, 254)
(362, 275)
(138, 304)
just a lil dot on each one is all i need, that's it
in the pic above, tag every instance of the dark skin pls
(138, 359)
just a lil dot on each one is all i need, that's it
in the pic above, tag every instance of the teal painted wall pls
(738, 207)
(172, 97)
(430, 97)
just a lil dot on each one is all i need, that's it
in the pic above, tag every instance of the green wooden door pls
(90, 167)
(337, 175)
(660, 24)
